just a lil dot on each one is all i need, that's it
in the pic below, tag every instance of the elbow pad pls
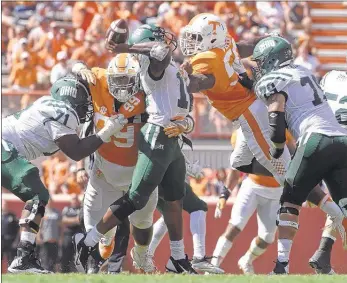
(159, 51)
(277, 123)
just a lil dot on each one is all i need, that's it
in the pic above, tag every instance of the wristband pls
(81, 169)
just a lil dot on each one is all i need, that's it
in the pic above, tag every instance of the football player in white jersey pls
(160, 160)
(334, 85)
(46, 126)
(295, 100)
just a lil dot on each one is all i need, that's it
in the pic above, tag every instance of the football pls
(118, 32)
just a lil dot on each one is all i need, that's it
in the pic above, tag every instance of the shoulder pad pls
(272, 83)
(204, 62)
(134, 106)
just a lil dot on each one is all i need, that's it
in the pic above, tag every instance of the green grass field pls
(77, 278)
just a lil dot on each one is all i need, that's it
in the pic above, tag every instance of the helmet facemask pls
(84, 111)
(123, 86)
(191, 42)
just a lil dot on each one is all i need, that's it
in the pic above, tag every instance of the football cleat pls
(203, 265)
(106, 250)
(27, 263)
(245, 266)
(115, 266)
(180, 266)
(143, 262)
(81, 252)
(320, 262)
(280, 268)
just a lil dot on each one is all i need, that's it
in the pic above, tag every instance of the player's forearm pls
(232, 179)
(199, 82)
(77, 148)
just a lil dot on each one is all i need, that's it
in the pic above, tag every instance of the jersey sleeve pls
(273, 83)
(203, 63)
(144, 62)
(59, 121)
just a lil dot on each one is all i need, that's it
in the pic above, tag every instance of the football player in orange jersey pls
(216, 70)
(115, 90)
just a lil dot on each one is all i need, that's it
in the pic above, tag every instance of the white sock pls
(28, 237)
(254, 251)
(177, 249)
(222, 248)
(330, 207)
(93, 237)
(283, 249)
(198, 230)
(159, 231)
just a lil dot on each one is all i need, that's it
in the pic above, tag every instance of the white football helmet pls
(123, 76)
(204, 32)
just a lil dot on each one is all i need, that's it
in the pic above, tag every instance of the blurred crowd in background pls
(41, 40)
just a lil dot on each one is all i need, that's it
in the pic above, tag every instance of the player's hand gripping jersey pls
(306, 107)
(334, 85)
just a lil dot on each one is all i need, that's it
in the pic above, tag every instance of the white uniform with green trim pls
(166, 98)
(334, 85)
(306, 109)
(33, 130)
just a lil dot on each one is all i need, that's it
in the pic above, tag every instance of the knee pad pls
(122, 207)
(35, 207)
(143, 219)
(286, 223)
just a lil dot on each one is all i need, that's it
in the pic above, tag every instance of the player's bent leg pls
(197, 209)
(266, 219)
(142, 221)
(255, 127)
(320, 261)
(22, 178)
(242, 210)
(173, 191)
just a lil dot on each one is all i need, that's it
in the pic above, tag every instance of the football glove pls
(113, 125)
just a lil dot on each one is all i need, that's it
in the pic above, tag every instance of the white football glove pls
(113, 125)
(84, 72)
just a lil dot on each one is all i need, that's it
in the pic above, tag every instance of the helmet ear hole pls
(213, 40)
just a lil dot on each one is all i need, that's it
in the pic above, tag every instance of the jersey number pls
(129, 136)
(60, 115)
(311, 81)
(131, 103)
(341, 112)
(182, 101)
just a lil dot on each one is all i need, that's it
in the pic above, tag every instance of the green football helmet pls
(151, 32)
(74, 91)
(270, 54)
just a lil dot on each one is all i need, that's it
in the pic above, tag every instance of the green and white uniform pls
(334, 85)
(29, 134)
(322, 142)
(160, 160)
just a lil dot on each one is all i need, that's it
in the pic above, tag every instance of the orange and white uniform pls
(261, 194)
(114, 162)
(230, 98)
